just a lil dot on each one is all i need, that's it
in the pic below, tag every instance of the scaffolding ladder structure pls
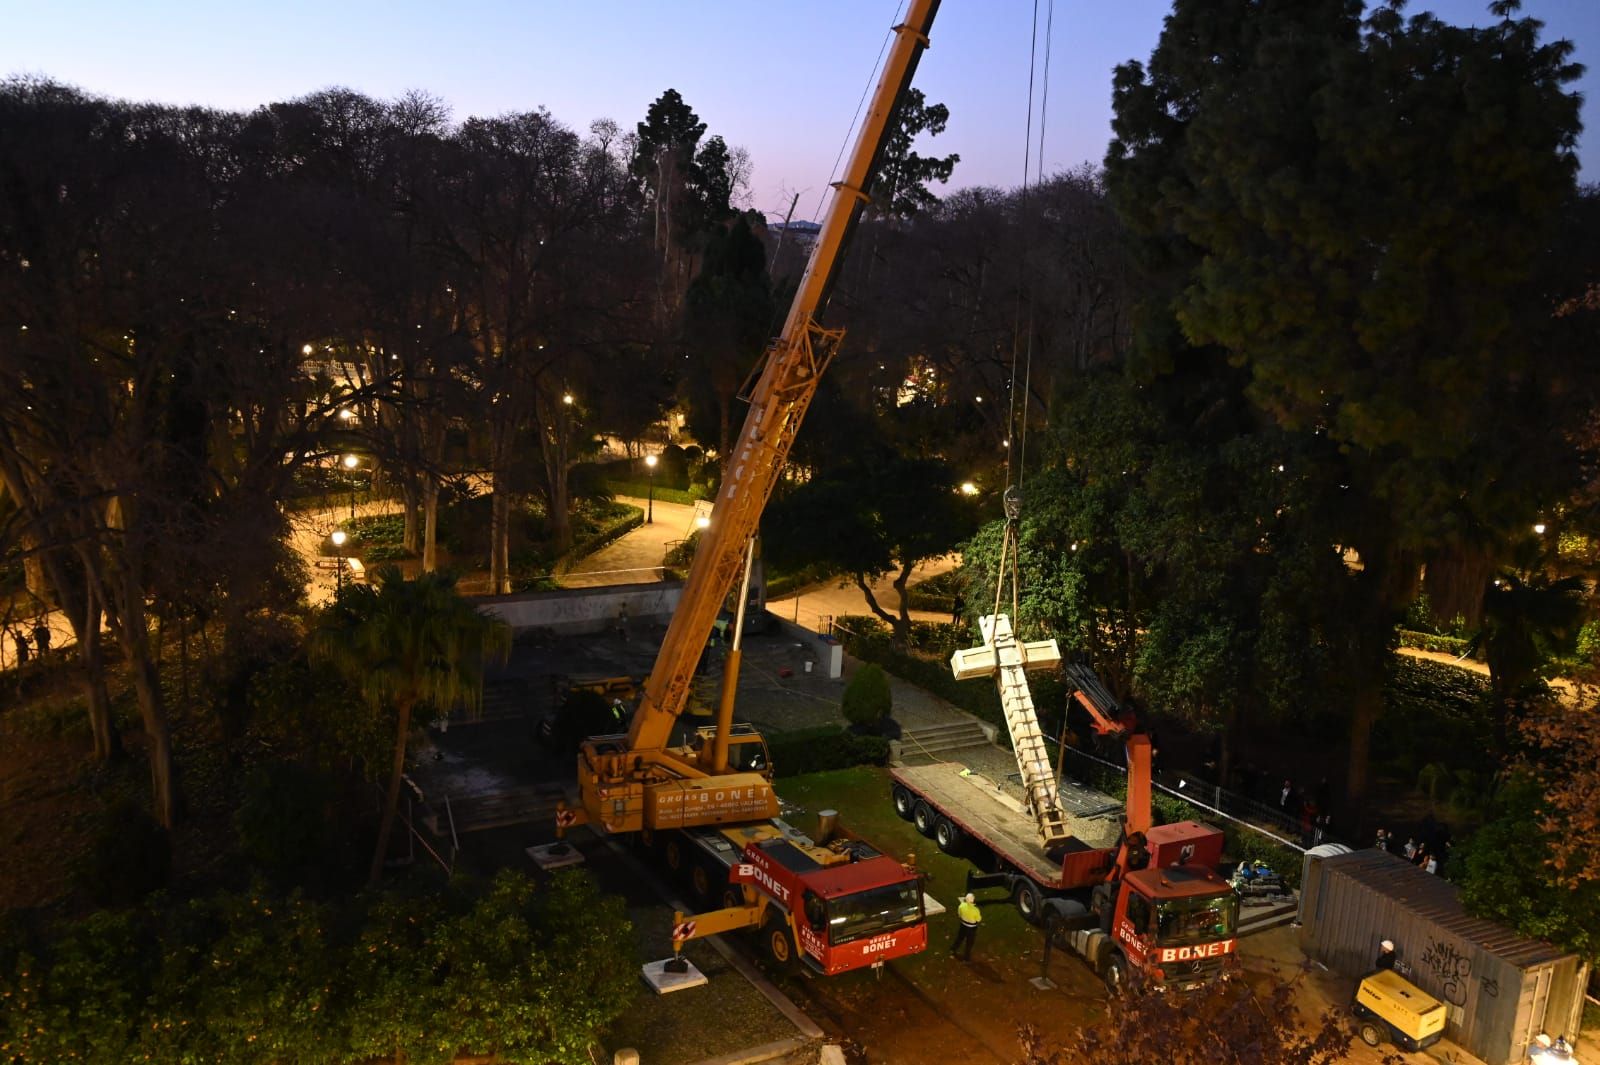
(1008, 659)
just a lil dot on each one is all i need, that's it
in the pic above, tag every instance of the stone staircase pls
(938, 743)
(515, 806)
(1271, 915)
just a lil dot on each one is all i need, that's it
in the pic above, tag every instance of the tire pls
(732, 896)
(672, 854)
(905, 803)
(1116, 975)
(1029, 903)
(948, 836)
(701, 882)
(924, 818)
(777, 943)
(1370, 1034)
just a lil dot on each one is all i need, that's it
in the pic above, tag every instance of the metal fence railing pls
(1246, 812)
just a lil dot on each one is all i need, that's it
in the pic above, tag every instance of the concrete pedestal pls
(555, 855)
(663, 982)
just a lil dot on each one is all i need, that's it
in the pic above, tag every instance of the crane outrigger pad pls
(555, 855)
(664, 981)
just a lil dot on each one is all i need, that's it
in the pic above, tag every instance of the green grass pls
(641, 490)
(861, 796)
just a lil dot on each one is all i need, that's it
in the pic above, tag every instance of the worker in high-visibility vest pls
(967, 934)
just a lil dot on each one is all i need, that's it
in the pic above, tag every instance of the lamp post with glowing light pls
(339, 536)
(650, 502)
(350, 463)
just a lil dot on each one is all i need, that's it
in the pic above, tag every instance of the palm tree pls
(1528, 615)
(405, 644)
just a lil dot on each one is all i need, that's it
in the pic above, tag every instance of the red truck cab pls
(840, 915)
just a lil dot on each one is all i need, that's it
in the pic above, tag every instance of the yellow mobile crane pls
(637, 781)
(708, 805)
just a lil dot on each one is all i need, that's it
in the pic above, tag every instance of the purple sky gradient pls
(780, 77)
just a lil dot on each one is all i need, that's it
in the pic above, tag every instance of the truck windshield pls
(877, 910)
(1196, 919)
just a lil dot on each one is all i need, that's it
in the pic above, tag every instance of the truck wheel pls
(1371, 1034)
(672, 854)
(1028, 902)
(905, 803)
(700, 882)
(780, 947)
(947, 836)
(924, 818)
(1116, 975)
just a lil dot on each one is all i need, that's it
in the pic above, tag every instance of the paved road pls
(814, 607)
(635, 556)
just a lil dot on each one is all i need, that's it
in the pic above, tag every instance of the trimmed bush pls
(867, 699)
(829, 747)
(1427, 641)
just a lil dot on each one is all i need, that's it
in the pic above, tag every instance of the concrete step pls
(1254, 919)
(518, 806)
(954, 728)
(945, 743)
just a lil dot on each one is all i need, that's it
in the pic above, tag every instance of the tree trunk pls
(500, 504)
(152, 709)
(430, 522)
(554, 442)
(409, 535)
(33, 572)
(902, 625)
(499, 540)
(391, 800)
(886, 617)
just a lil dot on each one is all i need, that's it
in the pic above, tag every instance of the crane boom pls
(794, 362)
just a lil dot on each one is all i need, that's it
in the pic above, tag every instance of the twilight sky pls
(780, 77)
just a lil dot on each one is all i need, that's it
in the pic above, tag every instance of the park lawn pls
(861, 796)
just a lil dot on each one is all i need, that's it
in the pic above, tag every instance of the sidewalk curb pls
(765, 1052)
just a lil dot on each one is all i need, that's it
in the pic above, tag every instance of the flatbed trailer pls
(1175, 925)
(969, 815)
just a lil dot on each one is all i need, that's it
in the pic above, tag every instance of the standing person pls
(1381, 841)
(971, 917)
(622, 622)
(1410, 848)
(1286, 797)
(1385, 955)
(41, 638)
(959, 609)
(1432, 864)
(21, 642)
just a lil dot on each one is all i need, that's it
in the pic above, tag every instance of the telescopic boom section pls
(794, 362)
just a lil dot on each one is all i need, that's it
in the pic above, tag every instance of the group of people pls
(1427, 850)
(25, 649)
(1310, 809)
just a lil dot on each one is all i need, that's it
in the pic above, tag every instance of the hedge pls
(868, 639)
(1427, 641)
(258, 977)
(814, 750)
(641, 490)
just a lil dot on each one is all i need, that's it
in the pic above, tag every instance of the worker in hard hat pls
(971, 917)
(1385, 955)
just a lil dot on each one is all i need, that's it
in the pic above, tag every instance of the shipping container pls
(1501, 989)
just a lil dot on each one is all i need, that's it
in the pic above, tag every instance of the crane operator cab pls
(747, 750)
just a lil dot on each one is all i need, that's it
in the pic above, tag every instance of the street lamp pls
(650, 503)
(702, 521)
(968, 488)
(338, 539)
(350, 464)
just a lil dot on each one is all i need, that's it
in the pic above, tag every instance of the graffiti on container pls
(1491, 987)
(1450, 968)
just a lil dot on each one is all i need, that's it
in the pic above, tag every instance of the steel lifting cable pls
(1017, 427)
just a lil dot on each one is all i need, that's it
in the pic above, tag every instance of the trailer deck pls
(985, 811)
